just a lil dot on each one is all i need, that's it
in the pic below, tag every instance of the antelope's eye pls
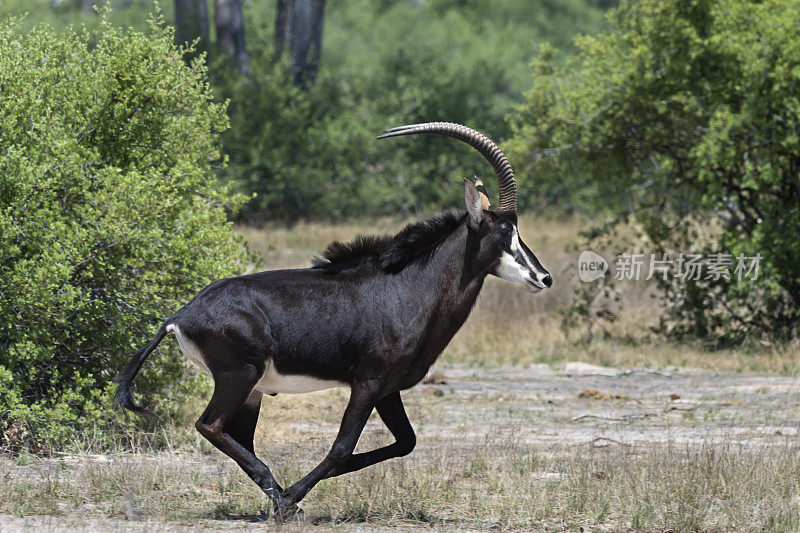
(505, 229)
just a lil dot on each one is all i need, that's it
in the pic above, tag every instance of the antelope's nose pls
(547, 281)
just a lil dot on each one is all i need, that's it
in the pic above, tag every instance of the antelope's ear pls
(481, 189)
(474, 203)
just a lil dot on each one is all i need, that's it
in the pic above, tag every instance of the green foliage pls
(64, 14)
(109, 216)
(314, 154)
(384, 63)
(299, 151)
(686, 115)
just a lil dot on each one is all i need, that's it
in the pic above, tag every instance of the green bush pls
(686, 116)
(110, 217)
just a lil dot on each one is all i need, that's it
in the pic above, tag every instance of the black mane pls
(391, 254)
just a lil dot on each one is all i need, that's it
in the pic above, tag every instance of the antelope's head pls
(501, 247)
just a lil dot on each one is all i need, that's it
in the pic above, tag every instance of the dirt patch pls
(687, 406)
(595, 394)
(435, 378)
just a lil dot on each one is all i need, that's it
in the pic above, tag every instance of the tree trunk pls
(87, 6)
(191, 22)
(230, 32)
(298, 28)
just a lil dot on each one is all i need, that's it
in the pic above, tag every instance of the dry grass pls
(493, 453)
(493, 483)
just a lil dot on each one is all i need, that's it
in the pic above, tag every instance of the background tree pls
(191, 22)
(684, 119)
(386, 62)
(298, 29)
(310, 151)
(229, 24)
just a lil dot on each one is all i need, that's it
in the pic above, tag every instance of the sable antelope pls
(372, 314)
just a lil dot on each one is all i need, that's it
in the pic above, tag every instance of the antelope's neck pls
(445, 290)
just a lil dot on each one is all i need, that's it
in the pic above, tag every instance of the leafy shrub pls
(686, 117)
(109, 216)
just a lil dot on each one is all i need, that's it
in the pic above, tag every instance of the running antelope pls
(372, 314)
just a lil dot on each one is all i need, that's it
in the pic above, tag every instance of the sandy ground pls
(573, 406)
(632, 407)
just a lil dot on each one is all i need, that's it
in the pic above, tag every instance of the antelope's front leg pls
(362, 400)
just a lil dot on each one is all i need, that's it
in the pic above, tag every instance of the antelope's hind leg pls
(229, 423)
(242, 427)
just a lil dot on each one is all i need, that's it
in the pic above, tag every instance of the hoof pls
(288, 512)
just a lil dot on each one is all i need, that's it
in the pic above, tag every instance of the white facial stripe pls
(509, 269)
(518, 251)
(512, 270)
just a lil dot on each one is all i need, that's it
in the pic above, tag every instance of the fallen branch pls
(617, 373)
(601, 373)
(663, 373)
(607, 442)
(682, 408)
(91, 456)
(614, 418)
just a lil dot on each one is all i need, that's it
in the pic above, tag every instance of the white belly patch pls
(271, 381)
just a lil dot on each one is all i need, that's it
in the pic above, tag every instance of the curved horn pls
(488, 149)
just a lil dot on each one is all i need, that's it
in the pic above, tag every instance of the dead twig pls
(617, 373)
(682, 408)
(614, 418)
(605, 442)
(662, 373)
(601, 373)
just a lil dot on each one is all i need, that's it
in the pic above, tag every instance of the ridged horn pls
(484, 145)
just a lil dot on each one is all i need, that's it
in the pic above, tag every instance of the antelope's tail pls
(125, 378)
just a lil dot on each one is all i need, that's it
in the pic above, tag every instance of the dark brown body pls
(365, 320)
(373, 314)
